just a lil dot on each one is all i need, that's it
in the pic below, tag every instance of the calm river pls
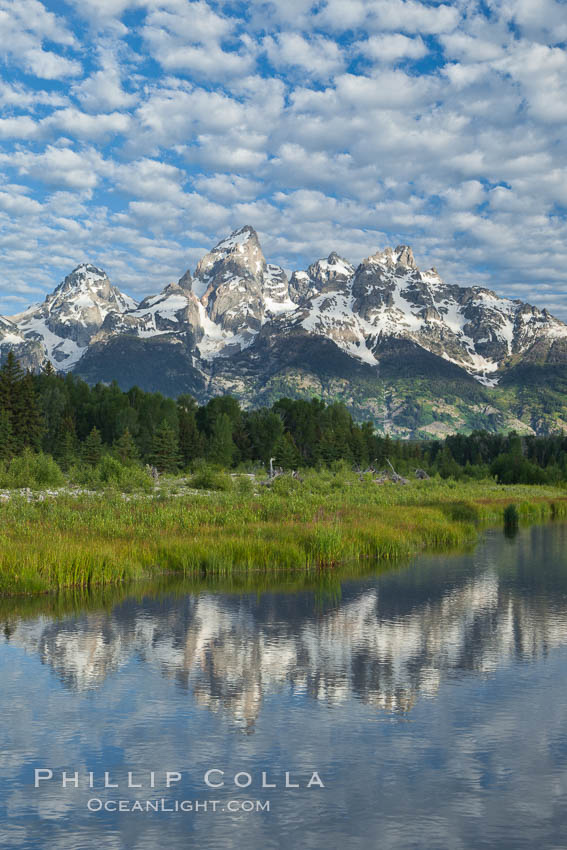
(429, 701)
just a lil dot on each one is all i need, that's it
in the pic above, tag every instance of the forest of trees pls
(64, 417)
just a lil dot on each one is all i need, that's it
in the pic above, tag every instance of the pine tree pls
(165, 448)
(7, 442)
(68, 454)
(221, 445)
(190, 442)
(92, 447)
(125, 448)
(286, 453)
(66, 444)
(31, 422)
(11, 377)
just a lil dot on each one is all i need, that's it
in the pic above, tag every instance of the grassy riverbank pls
(98, 539)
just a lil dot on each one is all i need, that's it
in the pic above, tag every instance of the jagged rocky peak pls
(83, 278)
(237, 301)
(401, 256)
(84, 297)
(229, 280)
(301, 287)
(240, 252)
(186, 282)
(174, 310)
(276, 292)
(88, 286)
(66, 322)
(331, 272)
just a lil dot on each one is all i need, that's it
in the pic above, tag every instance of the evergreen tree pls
(265, 429)
(68, 454)
(92, 447)
(358, 449)
(53, 401)
(66, 444)
(7, 442)
(221, 444)
(31, 421)
(286, 453)
(11, 377)
(165, 448)
(125, 449)
(190, 442)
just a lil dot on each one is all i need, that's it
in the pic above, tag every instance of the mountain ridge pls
(235, 324)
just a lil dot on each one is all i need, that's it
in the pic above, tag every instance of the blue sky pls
(137, 133)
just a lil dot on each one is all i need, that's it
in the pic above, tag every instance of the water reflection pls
(385, 642)
(431, 698)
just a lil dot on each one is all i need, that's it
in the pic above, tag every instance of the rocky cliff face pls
(238, 324)
(229, 282)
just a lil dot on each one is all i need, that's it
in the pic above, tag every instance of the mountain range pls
(418, 356)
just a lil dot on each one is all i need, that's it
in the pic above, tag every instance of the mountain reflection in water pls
(385, 642)
(431, 698)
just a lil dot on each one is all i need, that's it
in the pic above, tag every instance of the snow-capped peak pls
(236, 239)
(88, 286)
(334, 268)
(82, 277)
(61, 328)
(402, 255)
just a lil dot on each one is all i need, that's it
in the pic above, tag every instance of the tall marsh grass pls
(105, 538)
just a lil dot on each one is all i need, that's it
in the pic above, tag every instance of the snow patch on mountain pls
(276, 292)
(63, 352)
(216, 341)
(331, 315)
(235, 240)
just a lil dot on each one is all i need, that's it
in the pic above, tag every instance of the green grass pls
(328, 519)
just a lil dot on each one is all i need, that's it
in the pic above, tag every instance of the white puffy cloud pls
(319, 57)
(103, 90)
(227, 188)
(538, 19)
(59, 166)
(16, 95)
(159, 125)
(392, 47)
(24, 27)
(14, 200)
(411, 16)
(82, 125)
(18, 127)
(542, 73)
(188, 39)
(149, 179)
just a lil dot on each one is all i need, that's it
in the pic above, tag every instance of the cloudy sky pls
(137, 133)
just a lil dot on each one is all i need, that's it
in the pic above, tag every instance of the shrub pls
(244, 485)
(110, 473)
(209, 478)
(285, 485)
(515, 469)
(31, 470)
(463, 512)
